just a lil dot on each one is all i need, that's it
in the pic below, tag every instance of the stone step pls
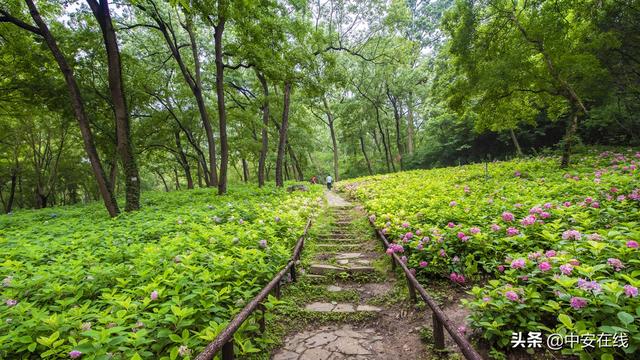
(340, 307)
(338, 236)
(338, 247)
(323, 269)
(342, 240)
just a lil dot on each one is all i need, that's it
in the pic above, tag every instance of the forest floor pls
(348, 304)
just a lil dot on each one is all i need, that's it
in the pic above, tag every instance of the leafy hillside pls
(145, 283)
(548, 249)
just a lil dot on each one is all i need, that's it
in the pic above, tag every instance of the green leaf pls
(625, 317)
(566, 320)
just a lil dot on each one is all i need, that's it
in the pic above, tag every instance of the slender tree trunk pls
(164, 182)
(12, 191)
(387, 151)
(282, 141)
(569, 138)
(410, 125)
(393, 166)
(295, 163)
(194, 84)
(245, 170)
(222, 112)
(79, 111)
(265, 127)
(334, 142)
(364, 153)
(116, 88)
(515, 142)
(175, 173)
(183, 160)
(199, 175)
(396, 115)
(113, 173)
(286, 169)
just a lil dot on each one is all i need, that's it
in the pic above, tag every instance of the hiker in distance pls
(329, 182)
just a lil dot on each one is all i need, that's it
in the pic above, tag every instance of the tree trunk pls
(282, 140)
(410, 125)
(295, 163)
(572, 127)
(194, 84)
(364, 153)
(12, 191)
(396, 115)
(515, 142)
(334, 142)
(222, 112)
(116, 88)
(199, 175)
(387, 151)
(175, 173)
(79, 111)
(265, 127)
(183, 160)
(164, 182)
(245, 170)
(113, 174)
(393, 166)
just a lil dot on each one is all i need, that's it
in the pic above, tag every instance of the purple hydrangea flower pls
(507, 216)
(154, 295)
(615, 263)
(566, 269)
(75, 354)
(518, 264)
(578, 303)
(544, 266)
(512, 295)
(630, 291)
(631, 244)
(511, 231)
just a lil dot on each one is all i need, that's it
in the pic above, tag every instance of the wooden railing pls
(224, 341)
(440, 320)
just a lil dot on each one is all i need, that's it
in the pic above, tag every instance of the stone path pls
(342, 256)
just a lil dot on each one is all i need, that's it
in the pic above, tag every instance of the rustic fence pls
(224, 341)
(439, 318)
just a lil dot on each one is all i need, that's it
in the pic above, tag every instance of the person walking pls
(329, 182)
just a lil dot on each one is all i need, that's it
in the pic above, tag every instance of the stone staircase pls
(342, 250)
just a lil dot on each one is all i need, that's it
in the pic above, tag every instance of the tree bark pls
(245, 170)
(265, 126)
(393, 166)
(164, 182)
(410, 125)
(282, 141)
(295, 163)
(222, 112)
(364, 153)
(194, 84)
(387, 151)
(175, 173)
(116, 88)
(396, 115)
(183, 160)
(334, 142)
(12, 191)
(515, 142)
(79, 111)
(572, 127)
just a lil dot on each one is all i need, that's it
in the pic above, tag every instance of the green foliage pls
(158, 283)
(542, 238)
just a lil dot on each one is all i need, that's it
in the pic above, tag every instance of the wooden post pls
(293, 272)
(227, 351)
(261, 321)
(393, 263)
(412, 291)
(276, 290)
(438, 332)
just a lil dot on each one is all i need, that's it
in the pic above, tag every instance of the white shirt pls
(329, 179)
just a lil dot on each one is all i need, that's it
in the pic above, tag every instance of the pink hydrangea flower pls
(418, 232)
(11, 302)
(632, 244)
(389, 251)
(511, 231)
(574, 262)
(263, 243)
(408, 235)
(443, 253)
(474, 230)
(595, 205)
(461, 235)
(545, 215)
(154, 295)
(547, 205)
(528, 220)
(372, 218)
(517, 173)
(467, 189)
(507, 216)
(566, 203)
(457, 278)
(495, 227)
(423, 264)
(455, 259)
(75, 354)
(615, 263)
(501, 268)
(405, 224)
(517, 205)
(571, 235)
(403, 259)
(544, 266)
(451, 225)
(550, 253)
(518, 264)
(511, 295)
(566, 269)
(630, 291)
(578, 303)
(453, 203)
(595, 237)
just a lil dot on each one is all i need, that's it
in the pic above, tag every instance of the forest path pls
(347, 303)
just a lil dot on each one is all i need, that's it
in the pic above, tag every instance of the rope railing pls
(439, 318)
(224, 341)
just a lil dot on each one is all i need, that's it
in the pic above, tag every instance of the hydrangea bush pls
(159, 283)
(551, 250)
